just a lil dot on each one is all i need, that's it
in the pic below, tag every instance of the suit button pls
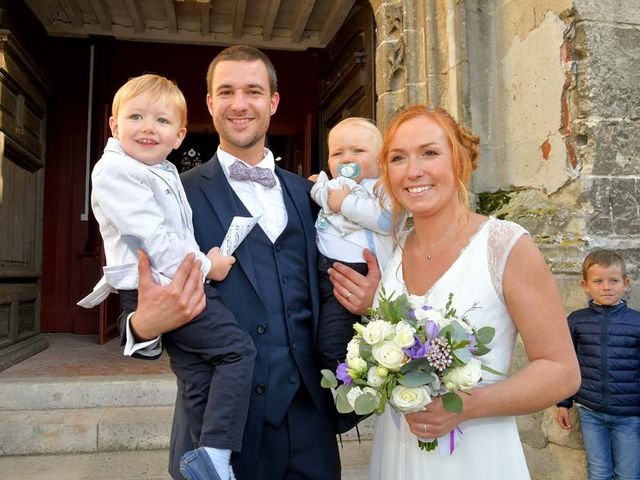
(285, 279)
(261, 328)
(278, 248)
(293, 379)
(260, 388)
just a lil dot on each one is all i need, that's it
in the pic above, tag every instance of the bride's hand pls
(434, 421)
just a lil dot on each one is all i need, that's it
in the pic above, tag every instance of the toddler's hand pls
(336, 197)
(313, 178)
(220, 264)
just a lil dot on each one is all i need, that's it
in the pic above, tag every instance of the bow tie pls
(239, 171)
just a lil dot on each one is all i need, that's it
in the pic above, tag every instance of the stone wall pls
(553, 89)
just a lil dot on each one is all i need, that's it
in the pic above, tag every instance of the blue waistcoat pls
(281, 274)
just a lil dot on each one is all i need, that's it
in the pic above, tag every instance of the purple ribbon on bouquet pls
(447, 444)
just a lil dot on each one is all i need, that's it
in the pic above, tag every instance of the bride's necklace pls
(451, 233)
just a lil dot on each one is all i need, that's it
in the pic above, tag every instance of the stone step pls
(28, 432)
(56, 431)
(138, 465)
(98, 419)
(86, 392)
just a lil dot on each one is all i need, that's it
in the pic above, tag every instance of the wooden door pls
(23, 102)
(347, 76)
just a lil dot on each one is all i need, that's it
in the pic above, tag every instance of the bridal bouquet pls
(407, 352)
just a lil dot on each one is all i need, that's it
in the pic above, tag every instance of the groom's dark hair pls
(243, 53)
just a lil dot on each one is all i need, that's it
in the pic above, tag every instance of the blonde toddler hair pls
(156, 86)
(366, 123)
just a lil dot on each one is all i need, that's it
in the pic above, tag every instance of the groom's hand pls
(355, 291)
(164, 308)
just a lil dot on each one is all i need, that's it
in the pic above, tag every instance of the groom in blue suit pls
(272, 290)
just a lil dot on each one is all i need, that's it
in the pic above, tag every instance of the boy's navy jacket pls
(607, 343)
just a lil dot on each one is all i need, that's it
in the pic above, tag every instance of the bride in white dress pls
(427, 159)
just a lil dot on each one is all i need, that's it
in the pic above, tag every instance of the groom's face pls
(241, 105)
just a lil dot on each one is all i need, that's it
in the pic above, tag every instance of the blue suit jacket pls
(214, 205)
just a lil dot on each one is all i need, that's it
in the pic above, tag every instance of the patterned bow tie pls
(263, 176)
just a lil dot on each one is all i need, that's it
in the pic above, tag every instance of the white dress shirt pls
(258, 200)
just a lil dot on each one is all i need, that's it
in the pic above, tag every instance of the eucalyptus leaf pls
(481, 349)
(417, 364)
(365, 404)
(342, 404)
(452, 402)
(414, 379)
(485, 335)
(328, 379)
(459, 333)
(366, 350)
(462, 354)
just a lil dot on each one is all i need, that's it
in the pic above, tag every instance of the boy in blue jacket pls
(606, 336)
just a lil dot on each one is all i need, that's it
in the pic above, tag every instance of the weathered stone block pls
(608, 70)
(544, 216)
(615, 203)
(529, 428)
(622, 11)
(608, 147)
(390, 72)
(555, 463)
(414, 58)
(388, 105)
(573, 296)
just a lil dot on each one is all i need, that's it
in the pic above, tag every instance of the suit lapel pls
(223, 203)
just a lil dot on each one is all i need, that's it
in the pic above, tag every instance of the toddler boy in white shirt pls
(352, 218)
(139, 203)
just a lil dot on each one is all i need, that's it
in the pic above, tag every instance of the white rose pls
(374, 378)
(353, 395)
(463, 378)
(377, 331)
(389, 355)
(404, 335)
(357, 364)
(409, 399)
(353, 348)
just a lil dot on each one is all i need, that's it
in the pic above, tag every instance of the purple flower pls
(431, 329)
(412, 313)
(342, 375)
(417, 350)
(473, 343)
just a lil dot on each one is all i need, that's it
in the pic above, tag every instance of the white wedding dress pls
(489, 447)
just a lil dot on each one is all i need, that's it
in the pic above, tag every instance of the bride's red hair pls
(462, 141)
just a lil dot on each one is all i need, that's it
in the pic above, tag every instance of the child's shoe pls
(196, 465)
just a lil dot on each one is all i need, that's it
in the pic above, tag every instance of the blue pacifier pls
(349, 170)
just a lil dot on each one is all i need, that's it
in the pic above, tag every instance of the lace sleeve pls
(502, 237)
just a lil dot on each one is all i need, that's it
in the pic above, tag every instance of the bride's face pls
(420, 167)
